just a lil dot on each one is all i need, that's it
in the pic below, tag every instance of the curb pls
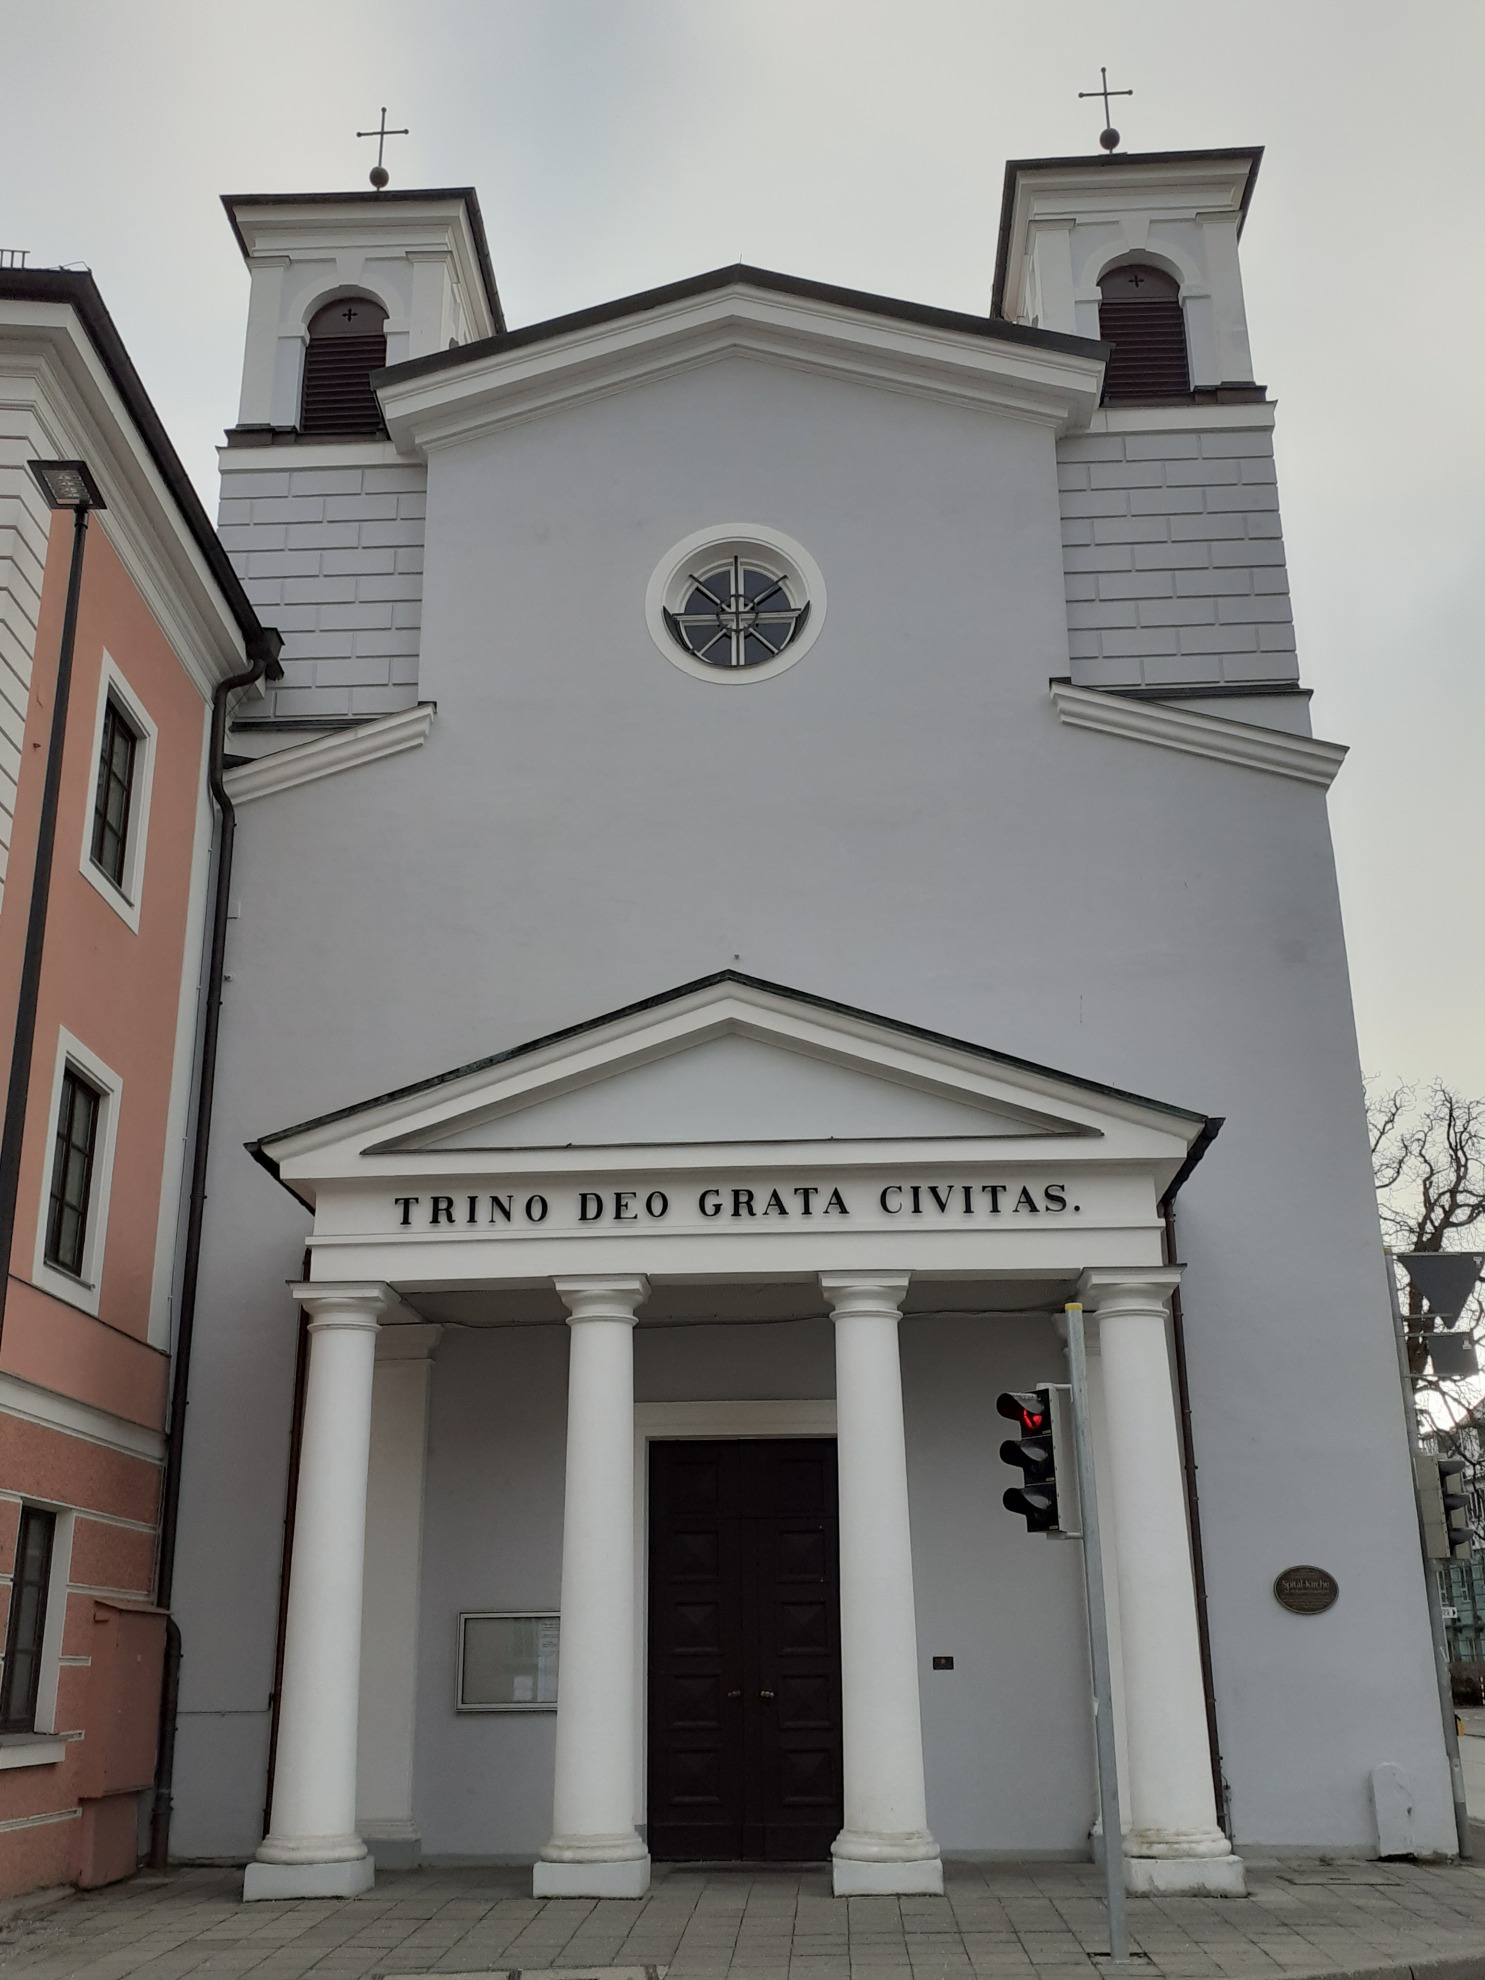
(1438, 1966)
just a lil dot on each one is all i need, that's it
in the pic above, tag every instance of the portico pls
(732, 1141)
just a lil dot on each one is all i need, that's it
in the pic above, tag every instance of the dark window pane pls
(114, 794)
(33, 1561)
(72, 1173)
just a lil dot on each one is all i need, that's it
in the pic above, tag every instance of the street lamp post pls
(66, 485)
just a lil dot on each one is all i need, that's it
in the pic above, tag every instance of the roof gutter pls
(263, 664)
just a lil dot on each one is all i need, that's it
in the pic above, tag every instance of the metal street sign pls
(1444, 1278)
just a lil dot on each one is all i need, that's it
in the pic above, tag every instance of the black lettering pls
(837, 1203)
(775, 1206)
(590, 1206)
(504, 1204)
(624, 1210)
(969, 1199)
(407, 1203)
(536, 1209)
(892, 1209)
(1026, 1201)
(995, 1191)
(809, 1196)
(474, 1205)
(656, 1203)
(917, 1201)
(742, 1203)
(712, 1209)
(443, 1210)
(943, 1201)
(1054, 1197)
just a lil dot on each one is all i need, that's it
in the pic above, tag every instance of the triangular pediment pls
(735, 1087)
(725, 1063)
(455, 395)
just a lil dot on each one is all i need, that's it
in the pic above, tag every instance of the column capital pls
(358, 1305)
(1127, 1288)
(854, 1295)
(603, 1297)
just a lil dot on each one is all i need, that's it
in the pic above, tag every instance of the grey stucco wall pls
(332, 556)
(901, 823)
(1174, 559)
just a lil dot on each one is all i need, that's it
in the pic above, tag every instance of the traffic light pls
(1445, 1504)
(1034, 1453)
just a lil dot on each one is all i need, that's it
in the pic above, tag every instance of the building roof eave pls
(74, 291)
(451, 396)
(1020, 168)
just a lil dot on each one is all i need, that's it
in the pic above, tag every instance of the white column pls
(885, 1844)
(1098, 1425)
(1172, 1842)
(312, 1848)
(392, 1601)
(595, 1850)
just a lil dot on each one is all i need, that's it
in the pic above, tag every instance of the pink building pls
(104, 987)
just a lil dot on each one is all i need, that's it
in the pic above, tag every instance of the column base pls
(308, 1880)
(626, 1877)
(1208, 1876)
(394, 1845)
(885, 1866)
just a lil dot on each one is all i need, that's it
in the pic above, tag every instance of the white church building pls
(789, 848)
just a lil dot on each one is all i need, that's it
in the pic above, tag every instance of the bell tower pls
(321, 515)
(1172, 550)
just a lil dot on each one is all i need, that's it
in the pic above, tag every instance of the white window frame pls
(466, 1616)
(670, 582)
(41, 1746)
(123, 900)
(85, 1291)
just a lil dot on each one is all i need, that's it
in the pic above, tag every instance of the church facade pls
(788, 849)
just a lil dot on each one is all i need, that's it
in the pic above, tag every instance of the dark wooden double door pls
(744, 1651)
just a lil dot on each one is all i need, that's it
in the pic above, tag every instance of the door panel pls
(745, 1745)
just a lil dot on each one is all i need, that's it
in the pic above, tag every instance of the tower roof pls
(1104, 173)
(240, 204)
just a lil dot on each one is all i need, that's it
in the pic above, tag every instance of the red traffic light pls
(1029, 1408)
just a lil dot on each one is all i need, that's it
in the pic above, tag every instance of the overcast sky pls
(620, 143)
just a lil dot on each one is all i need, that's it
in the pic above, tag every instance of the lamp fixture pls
(67, 484)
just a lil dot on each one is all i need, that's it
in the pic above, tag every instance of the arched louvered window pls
(1140, 314)
(347, 342)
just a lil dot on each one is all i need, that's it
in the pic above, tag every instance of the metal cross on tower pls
(379, 174)
(1110, 137)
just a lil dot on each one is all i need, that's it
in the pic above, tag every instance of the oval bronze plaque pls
(1306, 1591)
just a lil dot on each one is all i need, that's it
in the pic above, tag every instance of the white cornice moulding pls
(1305, 758)
(78, 1419)
(303, 763)
(1257, 417)
(291, 457)
(1053, 387)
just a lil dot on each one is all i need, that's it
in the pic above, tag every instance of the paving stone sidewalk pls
(1012, 1922)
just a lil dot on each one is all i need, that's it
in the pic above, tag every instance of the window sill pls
(31, 1750)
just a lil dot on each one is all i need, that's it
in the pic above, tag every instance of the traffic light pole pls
(1430, 1578)
(1098, 1640)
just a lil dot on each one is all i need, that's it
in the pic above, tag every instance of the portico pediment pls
(736, 1109)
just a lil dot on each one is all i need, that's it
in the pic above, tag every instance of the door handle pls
(765, 1694)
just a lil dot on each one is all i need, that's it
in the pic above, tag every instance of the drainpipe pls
(1188, 1468)
(83, 494)
(262, 655)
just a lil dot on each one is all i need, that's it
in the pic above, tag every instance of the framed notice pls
(508, 1662)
